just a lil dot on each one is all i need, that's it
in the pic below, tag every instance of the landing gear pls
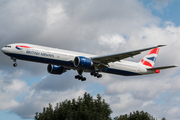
(14, 60)
(99, 76)
(15, 64)
(96, 74)
(80, 77)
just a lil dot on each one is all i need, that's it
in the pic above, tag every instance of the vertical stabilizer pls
(150, 59)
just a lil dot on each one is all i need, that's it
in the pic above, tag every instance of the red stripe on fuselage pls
(22, 46)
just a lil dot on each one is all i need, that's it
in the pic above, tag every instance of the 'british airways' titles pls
(39, 53)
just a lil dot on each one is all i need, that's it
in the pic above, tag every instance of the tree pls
(135, 116)
(85, 108)
(163, 118)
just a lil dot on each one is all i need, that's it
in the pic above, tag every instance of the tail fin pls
(150, 59)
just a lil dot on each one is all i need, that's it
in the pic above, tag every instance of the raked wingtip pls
(161, 45)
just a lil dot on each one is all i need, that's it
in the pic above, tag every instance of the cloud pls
(155, 95)
(83, 23)
(90, 27)
(123, 102)
(162, 1)
(113, 41)
(36, 100)
(159, 5)
(21, 21)
(174, 112)
(59, 83)
(144, 87)
(11, 89)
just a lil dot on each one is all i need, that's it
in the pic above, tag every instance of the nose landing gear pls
(14, 60)
(15, 64)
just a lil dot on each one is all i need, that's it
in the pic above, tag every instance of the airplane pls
(59, 60)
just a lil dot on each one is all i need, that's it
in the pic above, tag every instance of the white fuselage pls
(65, 58)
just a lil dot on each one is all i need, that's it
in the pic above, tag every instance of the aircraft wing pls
(104, 60)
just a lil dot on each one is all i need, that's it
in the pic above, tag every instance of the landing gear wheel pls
(99, 76)
(83, 79)
(92, 73)
(95, 74)
(14, 60)
(15, 64)
(77, 76)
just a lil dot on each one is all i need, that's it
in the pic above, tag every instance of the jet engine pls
(82, 62)
(55, 69)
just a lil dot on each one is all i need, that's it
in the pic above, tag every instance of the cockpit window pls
(8, 46)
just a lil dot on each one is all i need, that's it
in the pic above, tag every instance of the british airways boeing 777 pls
(59, 61)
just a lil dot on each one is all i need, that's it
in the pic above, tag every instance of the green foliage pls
(163, 118)
(85, 108)
(136, 116)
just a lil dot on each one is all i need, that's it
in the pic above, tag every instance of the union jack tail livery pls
(149, 60)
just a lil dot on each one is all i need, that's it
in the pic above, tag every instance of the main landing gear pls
(80, 77)
(14, 60)
(96, 74)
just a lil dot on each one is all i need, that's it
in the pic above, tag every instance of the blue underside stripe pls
(119, 72)
(67, 64)
(41, 60)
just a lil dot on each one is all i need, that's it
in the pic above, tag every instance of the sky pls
(100, 27)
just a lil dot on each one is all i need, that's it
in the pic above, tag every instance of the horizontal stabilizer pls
(160, 68)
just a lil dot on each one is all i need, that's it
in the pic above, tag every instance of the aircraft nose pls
(3, 49)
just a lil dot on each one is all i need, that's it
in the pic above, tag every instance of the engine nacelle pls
(54, 69)
(82, 62)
